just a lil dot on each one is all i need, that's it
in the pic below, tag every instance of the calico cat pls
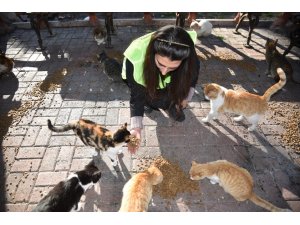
(66, 195)
(276, 60)
(112, 68)
(203, 27)
(92, 134)
(6, 64)
(245, 104)
(99, 34)
(137, 192)
(235, 180)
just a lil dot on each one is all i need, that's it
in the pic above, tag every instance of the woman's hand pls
(137, 133)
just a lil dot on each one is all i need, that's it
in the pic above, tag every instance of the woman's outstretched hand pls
(136, 132)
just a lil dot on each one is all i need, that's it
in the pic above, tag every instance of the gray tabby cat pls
(111, 67)
(276, 60)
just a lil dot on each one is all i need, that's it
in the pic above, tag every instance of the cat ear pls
(125, 125)
(96, 177)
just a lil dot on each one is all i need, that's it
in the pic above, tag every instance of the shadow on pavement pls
(193, 140)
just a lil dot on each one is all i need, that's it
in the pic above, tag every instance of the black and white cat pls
(65, 196)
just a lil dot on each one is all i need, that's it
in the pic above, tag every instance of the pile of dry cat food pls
(134, 142)
(175, 181)
(291, 135)
(231, 60)
(290, 113)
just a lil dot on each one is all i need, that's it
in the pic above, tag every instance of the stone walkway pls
(35, 159)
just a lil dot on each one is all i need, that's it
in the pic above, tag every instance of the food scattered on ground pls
(291, 135)
(175, 180)
(288, 116)
(36, 96)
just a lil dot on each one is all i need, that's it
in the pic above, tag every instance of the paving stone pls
(30, 153)
(49, 159)
(30, 136)
(43, 137)
(18, 207)
(13, 141)
(64, 159)
(25, 187)
(50, 178)
(25, 165)
(38, 193)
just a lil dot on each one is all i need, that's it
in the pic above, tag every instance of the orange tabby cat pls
(137, 192)
(235, 180)
(243, 103)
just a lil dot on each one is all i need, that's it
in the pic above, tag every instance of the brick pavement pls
(36, 159)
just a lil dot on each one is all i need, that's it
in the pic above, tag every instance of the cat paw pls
(205, 120)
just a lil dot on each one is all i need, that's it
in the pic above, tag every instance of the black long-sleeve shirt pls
(138, 95)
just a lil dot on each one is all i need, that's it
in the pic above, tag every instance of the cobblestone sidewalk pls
(35, 159)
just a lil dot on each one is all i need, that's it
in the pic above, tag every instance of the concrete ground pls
(35, 159)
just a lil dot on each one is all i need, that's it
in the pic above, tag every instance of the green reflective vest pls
(136, 52)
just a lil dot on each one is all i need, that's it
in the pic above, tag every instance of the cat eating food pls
(92, 134)
(137, 192)
(235, 180)
(245, 104)
(65, 196)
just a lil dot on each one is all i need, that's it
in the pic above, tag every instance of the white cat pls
(203, 27)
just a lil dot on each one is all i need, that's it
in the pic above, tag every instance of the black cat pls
(65, 196)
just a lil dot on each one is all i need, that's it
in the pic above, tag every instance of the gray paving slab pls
(35, 159)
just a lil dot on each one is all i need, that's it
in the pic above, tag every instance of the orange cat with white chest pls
(243, 103)
(235, 180)
(137, 192)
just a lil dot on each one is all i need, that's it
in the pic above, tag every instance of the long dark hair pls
(176, 44)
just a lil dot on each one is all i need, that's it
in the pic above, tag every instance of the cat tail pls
(67, 127)
(265, 204)
(276, 87)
